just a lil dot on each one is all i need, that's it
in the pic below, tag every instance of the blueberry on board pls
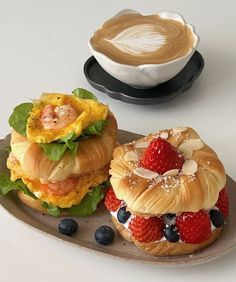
(171, 234)
(123, 215)
(104, 235)
(217, 218)
(68, 226)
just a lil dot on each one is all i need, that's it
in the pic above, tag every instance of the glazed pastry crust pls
(93, 154)
(166, 248)
(176, 194)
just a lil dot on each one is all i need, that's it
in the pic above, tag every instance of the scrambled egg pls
(89, 111)
(74, 197)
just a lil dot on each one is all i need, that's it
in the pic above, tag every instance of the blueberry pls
(170, 216)
(171, 234)
(217, 218)
(104, 235)
(68, 226)
(123, 215)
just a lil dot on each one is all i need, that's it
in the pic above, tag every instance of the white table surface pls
(43, 48)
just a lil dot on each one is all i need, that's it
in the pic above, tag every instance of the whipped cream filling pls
(138, 39)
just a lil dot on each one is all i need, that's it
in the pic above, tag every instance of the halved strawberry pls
(161, 156)
(111, 202)
(223, 202)
(146, 229)
(194, 228)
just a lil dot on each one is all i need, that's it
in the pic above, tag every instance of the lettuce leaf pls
(95, 128)
(52, 210)
(6, 185)
(84, 94)
(69, 141)
(89, 203)
(19, 117)
(54, 151)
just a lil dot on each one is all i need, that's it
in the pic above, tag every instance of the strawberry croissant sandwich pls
(168, 192)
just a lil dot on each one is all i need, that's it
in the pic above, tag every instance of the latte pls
(134, 39)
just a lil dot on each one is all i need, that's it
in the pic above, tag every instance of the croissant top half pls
(93, 154)
(196, 187)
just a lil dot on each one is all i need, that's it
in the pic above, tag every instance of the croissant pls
(193, 188)
(93, 154)
(86, 131)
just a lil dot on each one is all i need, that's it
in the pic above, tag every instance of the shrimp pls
(57, 117)
(61, 187)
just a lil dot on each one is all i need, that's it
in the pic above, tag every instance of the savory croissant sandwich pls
(61, 148)
(169, 194)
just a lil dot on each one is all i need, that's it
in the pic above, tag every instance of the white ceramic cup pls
(146, 75)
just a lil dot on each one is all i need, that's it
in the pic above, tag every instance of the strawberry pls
(111, 202)
(146, 229)
(161, 156)
(223, 202)
(194, 228)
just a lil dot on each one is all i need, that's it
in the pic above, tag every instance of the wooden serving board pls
(119, 248)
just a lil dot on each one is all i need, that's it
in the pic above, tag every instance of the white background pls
(43, 46)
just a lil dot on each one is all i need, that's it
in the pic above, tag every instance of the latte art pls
(138, 39)
(134, 39)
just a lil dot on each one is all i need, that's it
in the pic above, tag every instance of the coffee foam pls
(142, 38)
(134, 39)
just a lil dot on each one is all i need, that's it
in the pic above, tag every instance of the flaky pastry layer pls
(177, 194)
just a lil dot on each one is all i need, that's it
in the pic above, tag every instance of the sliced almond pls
(145, 173)
(189, 167)
(142, 145)
(194, 144)
(131, 156)
(179, 129)
(164, 135)
(186, 151)
(171, 172)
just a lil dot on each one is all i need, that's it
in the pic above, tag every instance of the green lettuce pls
(89, 203)
(6, 185)
(96, 128)
(51, 209)
(84, 94)
(54, 151)
(69, 141)
(19, 117)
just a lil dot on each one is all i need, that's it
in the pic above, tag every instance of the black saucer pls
(164, 92)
